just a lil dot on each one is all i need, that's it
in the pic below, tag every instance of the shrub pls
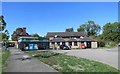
(101, 43)
(112, 44)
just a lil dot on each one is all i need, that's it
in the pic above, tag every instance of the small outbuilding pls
(33, 43)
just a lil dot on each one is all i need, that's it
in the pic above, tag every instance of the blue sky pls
(43, 17)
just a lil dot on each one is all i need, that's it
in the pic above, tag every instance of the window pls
(70, 43)
(82, 42)
(26, 46)
(53, 42)
(63, 43)
(75, 44)
(36, 46)
(58, 43)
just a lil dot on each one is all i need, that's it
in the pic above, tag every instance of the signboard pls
(35, 46)
(33, 40)
(31, 46)
(20, 40)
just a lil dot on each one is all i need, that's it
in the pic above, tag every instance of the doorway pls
(88, 44)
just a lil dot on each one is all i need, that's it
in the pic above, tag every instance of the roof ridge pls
(65, 32)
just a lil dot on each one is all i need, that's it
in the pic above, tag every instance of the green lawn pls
(64, 63)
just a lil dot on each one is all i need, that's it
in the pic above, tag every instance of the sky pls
(60, 0)
(43, 17)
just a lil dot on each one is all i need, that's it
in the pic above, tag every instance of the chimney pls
(24, 30)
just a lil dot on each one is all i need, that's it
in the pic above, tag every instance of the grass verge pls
(5, 55)
(65, 63)
(0, 61)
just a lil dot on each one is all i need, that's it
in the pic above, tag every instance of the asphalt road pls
(16, 64)
(107, 56)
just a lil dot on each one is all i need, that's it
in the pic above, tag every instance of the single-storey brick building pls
(33, 43)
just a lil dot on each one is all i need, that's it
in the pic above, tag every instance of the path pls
(16, 64)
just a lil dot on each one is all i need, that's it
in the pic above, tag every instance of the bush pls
(112, 44)
(101, 43)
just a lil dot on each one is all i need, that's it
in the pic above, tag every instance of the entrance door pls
(88, 44)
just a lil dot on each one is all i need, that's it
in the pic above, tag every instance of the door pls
(88, 44)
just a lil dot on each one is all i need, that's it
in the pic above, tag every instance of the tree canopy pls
(35, 35)
(111, 32)
(69, 30)
(4, 33)
(19, 31)
(90, 28)
(2, 23)
(16, 33)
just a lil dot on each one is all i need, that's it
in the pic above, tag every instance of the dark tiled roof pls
(71, 40)
(65, 34)
(57, 40)
(87, 39)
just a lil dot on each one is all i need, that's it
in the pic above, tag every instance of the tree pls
(81, 28)
(111, 32)
(35, 35)
(19, 31)
(4, 34)
(90, 28)
(2, 23)
(69, 30)
(14, 36)
(16, 33)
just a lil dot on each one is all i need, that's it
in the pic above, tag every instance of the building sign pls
(20, 40)
(32, 40)
(24, 40)
(31, 46)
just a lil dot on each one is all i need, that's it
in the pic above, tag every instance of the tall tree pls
(111, 32)
(4, 37)
(19, 31)
(69, 30)
(14, 36)
(35, 35)
(4, 33)
(16, 33)
(2, 23)
(7, 34)
(81, 28)
(90, 28)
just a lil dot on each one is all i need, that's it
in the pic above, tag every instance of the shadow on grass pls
(46, 54)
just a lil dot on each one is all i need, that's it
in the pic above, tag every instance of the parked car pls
(41, 48)
(82, 46)
(11, 44)
(64, 47)
(119, 44)
(51, 47)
